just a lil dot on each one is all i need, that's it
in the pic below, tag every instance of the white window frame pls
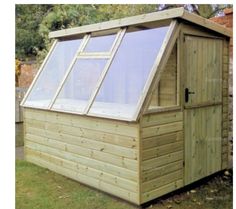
(37, 75)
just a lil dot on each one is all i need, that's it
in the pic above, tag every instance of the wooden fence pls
(19, 95)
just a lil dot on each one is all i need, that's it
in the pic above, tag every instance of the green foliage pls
(108, 12)
(28, 40)
(34, 22)
(210, 10)
(64, 16)
(67, 16)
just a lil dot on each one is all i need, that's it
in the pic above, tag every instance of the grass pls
(39, 188)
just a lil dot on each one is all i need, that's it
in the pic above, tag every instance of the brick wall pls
(28, 72)
(227, 21)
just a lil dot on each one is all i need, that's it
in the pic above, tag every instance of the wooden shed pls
(135, 107)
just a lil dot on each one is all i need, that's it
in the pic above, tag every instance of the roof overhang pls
(180, 13)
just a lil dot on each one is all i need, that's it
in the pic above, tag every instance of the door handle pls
(187, 92)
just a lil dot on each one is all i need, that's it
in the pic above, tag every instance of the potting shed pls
(135, 107)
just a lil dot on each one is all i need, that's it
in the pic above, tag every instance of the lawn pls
(39, 188)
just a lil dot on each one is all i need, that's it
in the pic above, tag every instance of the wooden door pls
(202, 106)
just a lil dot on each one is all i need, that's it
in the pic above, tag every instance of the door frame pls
(187, 30)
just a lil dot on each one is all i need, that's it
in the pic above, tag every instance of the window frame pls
(81, 47)
(170, 39)
(140, 107)
(37, 76)
(177, 105)
(101, 54)
(146, 111)
(90, 55)
(153, 70)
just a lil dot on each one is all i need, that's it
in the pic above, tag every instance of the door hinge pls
(183, 163)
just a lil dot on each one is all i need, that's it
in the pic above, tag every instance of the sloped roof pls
(179, 13)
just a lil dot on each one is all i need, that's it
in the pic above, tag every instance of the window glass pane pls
(100, 43)
(128, 73)
(79, 85)
(52, 74)
(165, 94)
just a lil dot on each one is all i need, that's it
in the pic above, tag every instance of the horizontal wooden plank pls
(225, 149)
(161, 129)
(225, 142)
(93, 163)
(161, 181)
(225, 77)
(162, 150)
(225, 125)
(226, 50)
(119, 140)
(86, 143)
(85, 170)
(161, 118)
(37, 141)
(163, 160)
(225, 68)
(225, 133)
(161, 191)
(111, 189)
(161, 170)
(225, 156)
(225, 59)
(224, 165)
(225, 73)
(224, 160)
(225, 109)
(162, 140)
(225, 101)
(104, 125)
(162, 109)
(225, 84)
(225, 116)
(76, 131)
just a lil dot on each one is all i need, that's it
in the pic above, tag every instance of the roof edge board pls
(134, 20)
(193, 18)
(144, 18)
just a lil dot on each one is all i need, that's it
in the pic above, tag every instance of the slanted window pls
(100, 43)
(83, 78)
(128, 73)
(166, 92)
(80, 84)
(52, 73)
(104, 75)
